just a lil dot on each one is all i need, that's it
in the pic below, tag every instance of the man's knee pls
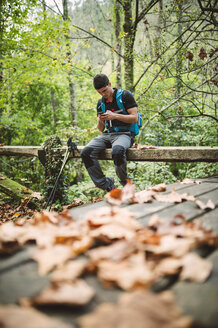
(118, 155)
(86, 156)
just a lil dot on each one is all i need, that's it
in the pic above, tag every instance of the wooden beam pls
(159, 154)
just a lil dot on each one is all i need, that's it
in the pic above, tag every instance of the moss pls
(14, 189)
(53, 164)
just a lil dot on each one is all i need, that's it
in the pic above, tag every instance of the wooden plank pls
(159, 154)
(168, 210)
(200, 300)
(141, 211)
(188, 209)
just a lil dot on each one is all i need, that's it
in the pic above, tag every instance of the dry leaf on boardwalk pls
(114, 252)
(158, 188)
(144, 196)
(141, 309)
(189, 181)
(13, 316)
(209, 205)
(174, 197)
(74, 293)
(128, 274)
(195, 268)
(69, 271)
(118, 196)
(106, 215)
(49, 258)
(173, 246)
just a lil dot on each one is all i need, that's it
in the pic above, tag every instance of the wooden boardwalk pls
(19, 277)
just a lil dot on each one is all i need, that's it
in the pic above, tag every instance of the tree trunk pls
(157, 40)
(128, 45)
(179, 53)
(53, 106)
(1, 55)
(73, 112)
(117, 9)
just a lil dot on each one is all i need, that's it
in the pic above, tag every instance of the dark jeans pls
(119, 142)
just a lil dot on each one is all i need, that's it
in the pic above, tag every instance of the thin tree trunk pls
(157, 40)
(128, 45)
(54, 115)
(73, 112)
(1, 54)
(117, 9)
(179, 54)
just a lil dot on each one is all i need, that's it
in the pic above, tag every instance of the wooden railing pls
(158, 154)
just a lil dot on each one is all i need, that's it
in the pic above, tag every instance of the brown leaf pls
(195, 268)
(189, 181)
(169, 265)
(70, 271)
(25, 191)
(115, 252)
(113, 231)
(13, 316)
(189, 55)
(2, 177)
(51, 257)
(146, 147)
(171, 245)
(144, 196)
(128, 274)
(202, 54)
(174, 197)
(106, 215)
(203, 206)
(75, 293)
(158, 188)
(138, 309)
(118, 196)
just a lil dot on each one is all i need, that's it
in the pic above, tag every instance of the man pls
(116, 134)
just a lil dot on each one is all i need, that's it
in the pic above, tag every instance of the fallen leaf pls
(112, 231)
(144, 196)
(13, 316)
(131, 273)
(138, 309)
(114, 252)
(195, 268)
(158, 188)
(51, 257)
(1, 176)
(189, 181)
(69, 271)
(203, 206)
(171, 245)
(146, 147)
(25, 191)
(75, 293)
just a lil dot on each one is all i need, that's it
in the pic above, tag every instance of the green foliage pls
(39, 51)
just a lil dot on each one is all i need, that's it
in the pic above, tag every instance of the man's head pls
(103, 85)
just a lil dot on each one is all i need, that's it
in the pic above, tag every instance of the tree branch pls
(97, 38)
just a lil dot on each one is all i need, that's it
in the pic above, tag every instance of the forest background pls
(164, 51)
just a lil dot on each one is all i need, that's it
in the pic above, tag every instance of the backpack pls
(133, 127)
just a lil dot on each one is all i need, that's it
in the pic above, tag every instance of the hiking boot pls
(112, 186)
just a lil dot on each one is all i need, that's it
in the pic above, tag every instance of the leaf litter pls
(122, 252)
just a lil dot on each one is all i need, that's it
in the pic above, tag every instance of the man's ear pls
(109, 84)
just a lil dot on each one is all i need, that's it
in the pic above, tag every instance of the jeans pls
(119, 142)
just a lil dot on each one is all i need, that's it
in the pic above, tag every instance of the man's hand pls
(108, 116)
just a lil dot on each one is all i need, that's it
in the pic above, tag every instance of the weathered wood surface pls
(19, 277)
(159, 154)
